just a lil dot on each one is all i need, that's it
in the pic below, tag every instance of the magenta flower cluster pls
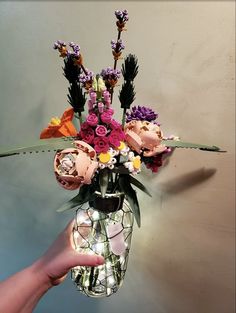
(100, 129)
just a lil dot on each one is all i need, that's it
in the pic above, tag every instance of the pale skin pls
(21, 292)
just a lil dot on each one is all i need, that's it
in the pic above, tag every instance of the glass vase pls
(104, 226)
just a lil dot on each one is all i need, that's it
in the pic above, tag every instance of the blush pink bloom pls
(106, 117)
(92, 119)
(146, 136)
(101, 131)
(101, 144)
(75, 166)
(87, 135)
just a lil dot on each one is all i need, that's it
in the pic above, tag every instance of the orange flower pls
(60, 127)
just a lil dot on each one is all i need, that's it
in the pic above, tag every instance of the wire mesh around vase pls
(109, 235)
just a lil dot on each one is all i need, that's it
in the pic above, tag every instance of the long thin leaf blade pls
(103, 181)
(41, 145)
(182, 144)
(139, 185)
(130, 193)
(83, 196)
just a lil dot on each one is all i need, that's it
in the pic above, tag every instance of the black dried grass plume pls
(130, 67)
(76, 97)
(127, 95)
(71, 71)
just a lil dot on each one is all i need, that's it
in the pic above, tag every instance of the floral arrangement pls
(101, 156)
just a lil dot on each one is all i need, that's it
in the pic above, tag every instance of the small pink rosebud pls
(90, 105)
(108, 102)
(106, 95)
(93, 96)
(100, 107)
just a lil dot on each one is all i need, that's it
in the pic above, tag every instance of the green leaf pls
(41, 145)
(103, 181)
(139, 185)
(120, 169)
(182, 144)
(125, 186)
(85, 194)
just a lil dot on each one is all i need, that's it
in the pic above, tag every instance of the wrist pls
(40, 275)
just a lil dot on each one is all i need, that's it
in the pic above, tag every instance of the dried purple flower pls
(86, 79)
(110, 73)
(118, 45)
(122, 16)
(76, 48)
(141, 113)
(61, 47)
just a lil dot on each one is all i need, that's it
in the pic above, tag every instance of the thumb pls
(78, 259)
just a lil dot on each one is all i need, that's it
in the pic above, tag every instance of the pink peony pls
(92, 119)
(106, 117)
(101, 144)
(75, 166)
(101, 131)
(87, 135)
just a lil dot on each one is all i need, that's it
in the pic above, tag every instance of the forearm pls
(21, 292)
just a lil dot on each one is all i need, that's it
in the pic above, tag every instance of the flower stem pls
(115, 64)
(123, 117)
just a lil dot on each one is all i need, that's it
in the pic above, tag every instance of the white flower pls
(134, 163)
(107, 159)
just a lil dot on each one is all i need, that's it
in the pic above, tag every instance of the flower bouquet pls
(100, 157)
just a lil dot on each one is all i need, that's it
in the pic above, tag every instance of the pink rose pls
(110, 111)
(101, 131)
(115, 137)
(92, 119)
(106, 117)
(114, 124)
(101, 144)
(87, 135)
(84, 125)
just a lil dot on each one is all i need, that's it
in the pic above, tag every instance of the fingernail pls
(100, 260)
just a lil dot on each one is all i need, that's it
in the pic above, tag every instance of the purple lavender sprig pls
(76, 49)
(61, 47)
(122, 15)
(110, 74)
(86, 79)
(141, 113)
(117, 46)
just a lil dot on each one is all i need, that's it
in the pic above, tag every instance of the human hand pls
(61, 257)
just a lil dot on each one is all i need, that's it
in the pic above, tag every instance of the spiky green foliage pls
(130, 67)
(127, 95)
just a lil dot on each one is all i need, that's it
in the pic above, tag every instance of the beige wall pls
(182, 258)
